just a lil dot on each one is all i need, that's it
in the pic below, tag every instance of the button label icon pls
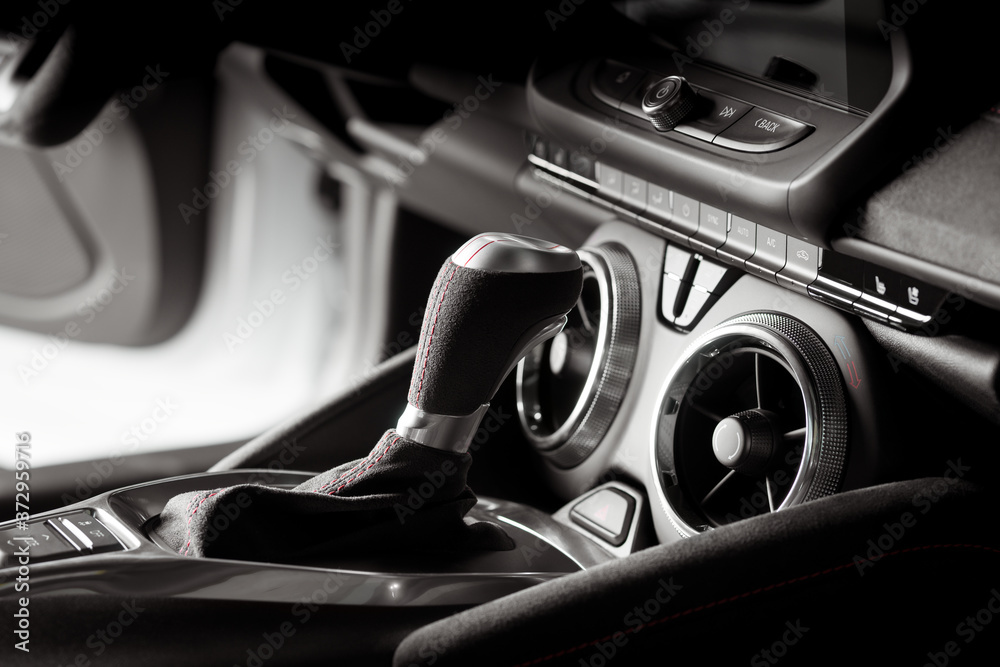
(803, 255)
(913, 296)
(767, 125)
(623, 77)
(879, 285)
(727, 112)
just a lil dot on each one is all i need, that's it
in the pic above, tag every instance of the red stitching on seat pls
(762, 589)
(430, 337)
(370, 465)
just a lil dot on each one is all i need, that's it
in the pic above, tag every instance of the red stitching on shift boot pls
(762, 589)
(370, 465)
(346, 474)
(184, 550)
(430, 338)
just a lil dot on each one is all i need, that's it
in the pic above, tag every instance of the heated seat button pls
(614, 81)
(760, 131)
(606, 513)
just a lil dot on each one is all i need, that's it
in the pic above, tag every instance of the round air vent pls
(753, 419)
(569, 389)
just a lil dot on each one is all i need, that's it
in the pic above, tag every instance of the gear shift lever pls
(494, 299)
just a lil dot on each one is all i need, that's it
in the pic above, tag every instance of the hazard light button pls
(606, 513)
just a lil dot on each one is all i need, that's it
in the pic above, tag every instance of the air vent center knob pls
(745, 441)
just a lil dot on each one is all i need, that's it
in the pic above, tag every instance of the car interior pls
(574, 332)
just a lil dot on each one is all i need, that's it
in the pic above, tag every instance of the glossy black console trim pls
(148, 569)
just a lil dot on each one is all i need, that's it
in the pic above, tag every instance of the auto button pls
(761, 131)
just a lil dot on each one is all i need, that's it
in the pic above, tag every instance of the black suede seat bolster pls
(855, 567)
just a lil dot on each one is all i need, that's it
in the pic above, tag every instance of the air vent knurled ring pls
(801, 352)
(613, 271)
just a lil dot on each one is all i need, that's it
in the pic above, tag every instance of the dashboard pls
(776, 343)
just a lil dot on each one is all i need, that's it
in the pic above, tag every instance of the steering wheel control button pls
(713, 113)
(606, 513)
(685, 214)
(801, 265)
(762, 131)
(668, 102)
(769, 257)
(614, 81)
(610, 181)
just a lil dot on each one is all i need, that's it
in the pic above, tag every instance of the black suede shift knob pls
(488, 296)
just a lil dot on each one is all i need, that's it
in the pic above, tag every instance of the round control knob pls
(668, 102)
(745, 441)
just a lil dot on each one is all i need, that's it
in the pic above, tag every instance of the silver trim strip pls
(444, 432)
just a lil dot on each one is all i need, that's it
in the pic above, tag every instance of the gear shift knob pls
(496, 298)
